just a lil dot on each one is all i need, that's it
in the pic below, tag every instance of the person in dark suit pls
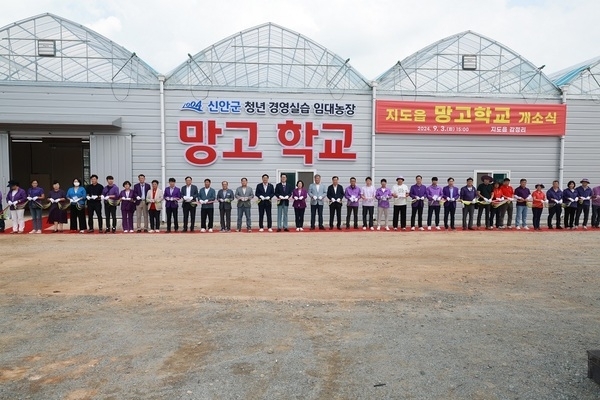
(225, 196)
(140, 190)
(207, 197)
(189, 194)
(335, 194)
(283, 192)
(265, 192)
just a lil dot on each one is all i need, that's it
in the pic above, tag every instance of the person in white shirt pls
(399, 193)
(367, 195)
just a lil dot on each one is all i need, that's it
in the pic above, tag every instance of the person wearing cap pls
(367, 194)
(352, 195)
(35, 195)
(596, 207)
(399, 193)
(450, 195)
(584, 193)
(570, 202)
(522, 195)
(418, 193)
(434, 195)
(110, 195)
(484, 195)
(554, 196)
(383, 196)
(16, 199)
(539, 199)
(468, 197)
(507, 209)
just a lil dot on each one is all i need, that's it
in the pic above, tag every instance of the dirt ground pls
(482, 315)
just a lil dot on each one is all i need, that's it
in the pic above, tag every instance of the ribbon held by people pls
(17, 204)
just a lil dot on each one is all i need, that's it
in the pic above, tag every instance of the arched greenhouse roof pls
(267, 56)
(583, 79)
(48, 48)
(467, 64)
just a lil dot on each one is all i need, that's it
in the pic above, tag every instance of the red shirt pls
(507, 191)
(538, 198)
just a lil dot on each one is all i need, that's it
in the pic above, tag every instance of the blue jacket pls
(570, 194)
(581, 192)
(81, 193)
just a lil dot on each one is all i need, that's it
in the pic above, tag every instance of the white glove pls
(518, 197)
(10, 203)
(559, 201)
(102, 198)
(545, 201)
(339, 200)
(138, 198)
(88, 197)
(501, 199)
(94, 197)
(301, 198)
(571, 199)
(221, 200)
(529, 198)
(267, 198)
(295, 197)
(262, 197)
(320, 197)
(587, 198)
(76, 199)
(286, 197)
(315, 197)
(29, 198)
(423, 198)
(35, 198)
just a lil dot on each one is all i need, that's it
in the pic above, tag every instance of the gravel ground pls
(518, 331)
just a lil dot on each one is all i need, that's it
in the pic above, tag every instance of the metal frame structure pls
(438, 70)
(81, 55)
(582, 80)
(271, 57)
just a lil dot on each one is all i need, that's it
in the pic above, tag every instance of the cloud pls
(108, 26)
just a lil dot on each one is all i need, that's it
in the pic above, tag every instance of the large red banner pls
(445, 118)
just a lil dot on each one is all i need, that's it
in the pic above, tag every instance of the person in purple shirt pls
(299, 195)
(2, 225)
(570, 202)
(128, 200)
(110, 195)
(450, 195)
(418, 193)
(35, 195)
(434, 195)
(352, 195)
(596, 207)
(584, 192)
(383, 196)
(522, 193)
(172, 195)
(16, 199)
(468, 196)
(555, 200)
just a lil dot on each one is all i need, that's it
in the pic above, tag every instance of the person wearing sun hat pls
(16, 199)
(399, 193)
(539, 198)
(584, 194)
(484, 195)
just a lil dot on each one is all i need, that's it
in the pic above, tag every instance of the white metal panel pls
(4, 159)
(111, 155)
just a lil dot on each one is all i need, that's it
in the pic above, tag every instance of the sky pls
(374, 34)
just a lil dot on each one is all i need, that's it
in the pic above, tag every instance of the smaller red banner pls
(445, 118)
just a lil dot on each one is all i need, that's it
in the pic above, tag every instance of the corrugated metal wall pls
(4, 161)
(582, 149)
(111, 155)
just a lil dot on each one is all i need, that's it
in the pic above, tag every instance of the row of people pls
(494, 202)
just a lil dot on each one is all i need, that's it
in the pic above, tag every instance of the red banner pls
(445, 118)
